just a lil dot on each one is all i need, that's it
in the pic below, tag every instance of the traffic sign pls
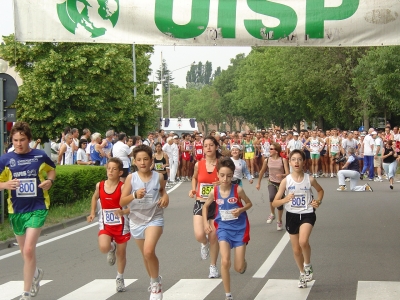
(10, 89)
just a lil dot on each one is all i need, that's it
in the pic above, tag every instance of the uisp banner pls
(210, 22)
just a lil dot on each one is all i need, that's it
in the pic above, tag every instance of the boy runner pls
(300, 212)
(231, 222)
(113, 222)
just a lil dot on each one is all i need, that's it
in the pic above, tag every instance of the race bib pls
(147, 199)
(205, 189)
(158, 166)
(249, 149)
(27, 187)
(226, 215)
(199, 151)
(110, 218)
(335, 148)
(299, 201)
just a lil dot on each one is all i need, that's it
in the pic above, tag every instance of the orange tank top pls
(205, 180)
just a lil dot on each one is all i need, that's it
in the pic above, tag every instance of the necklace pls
(213, 163)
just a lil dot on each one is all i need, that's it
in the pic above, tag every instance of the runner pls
(390, 161)
(204, 178)
(186, 149)
(231, 222)
(249, 153)
(144, 192)
(160, 161)
(334, 145)
(278, 169)
(21, 173)
(300, 212)
(240, 167)
(315, 145)
(113, 222)
(324, 156)
(198, 148)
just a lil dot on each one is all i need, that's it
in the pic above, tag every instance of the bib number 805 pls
(299, 200)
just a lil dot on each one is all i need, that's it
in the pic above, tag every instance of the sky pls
(177, 57)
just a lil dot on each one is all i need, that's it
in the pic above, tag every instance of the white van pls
(179, 125)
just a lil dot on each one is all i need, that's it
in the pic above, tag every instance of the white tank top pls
(314, 146)
(146, 209)
(67, 158)
(301, 203)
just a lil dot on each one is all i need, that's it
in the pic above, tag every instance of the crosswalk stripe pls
(284, 289)
(13, 289)
(382, 290)
(194, 289)
(99, 289)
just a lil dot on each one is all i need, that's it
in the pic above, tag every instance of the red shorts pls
(186, 156)
(199, 157)
(119, 239)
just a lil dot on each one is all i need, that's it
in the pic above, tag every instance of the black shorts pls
(322, 153)
(294, 221)
(198, 209)
(307, 153)
(125, 172)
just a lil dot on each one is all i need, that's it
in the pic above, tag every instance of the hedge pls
(72, 183)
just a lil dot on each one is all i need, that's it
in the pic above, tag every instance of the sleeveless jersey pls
(301, 203)
(283, 148)
(198, 147)
(107, 204)
(67, 158)
(107, 149)
(275, 167)
(314, 146)
(187, 147)
(28, 168)
(248, 147)
(354, 166)
(205, 180)
(94, 155)
(335, 144)
(158, 163)
(146, 209)
(265, 144)
(223, 212)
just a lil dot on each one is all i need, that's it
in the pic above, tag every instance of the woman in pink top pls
(278, 169)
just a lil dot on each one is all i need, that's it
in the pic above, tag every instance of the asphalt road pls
(355, 250)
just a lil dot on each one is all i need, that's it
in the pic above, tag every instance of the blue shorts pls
(235, 238)
(138, 232)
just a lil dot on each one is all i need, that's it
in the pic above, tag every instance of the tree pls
(80, 85)
(199, 75)
(167, 76)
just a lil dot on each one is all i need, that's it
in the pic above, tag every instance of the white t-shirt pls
(378, 142)
(293, 144)
(122, 151)
(368, 142)
(81, 155)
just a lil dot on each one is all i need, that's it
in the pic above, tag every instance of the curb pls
(46, 230)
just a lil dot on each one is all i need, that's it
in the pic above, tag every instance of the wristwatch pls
(52, 180)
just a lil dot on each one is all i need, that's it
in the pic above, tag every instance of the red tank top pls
(205, 180)
(198, 146)
(109, 202)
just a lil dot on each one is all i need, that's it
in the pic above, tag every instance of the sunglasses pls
(271, 148)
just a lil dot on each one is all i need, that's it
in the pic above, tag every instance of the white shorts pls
(138, 231)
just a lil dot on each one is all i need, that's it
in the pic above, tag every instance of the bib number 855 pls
(205, 191)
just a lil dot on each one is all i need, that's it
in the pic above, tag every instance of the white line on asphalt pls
(383, 290)
(195, 289)
(69, 233)
(272, 258)
(284, 289)
(12, 289)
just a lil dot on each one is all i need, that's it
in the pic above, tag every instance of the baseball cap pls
(373, 132)
(176, 137)
(223, 134)
(362, 134)
(236, 147)
(200, 134)
(295, 133)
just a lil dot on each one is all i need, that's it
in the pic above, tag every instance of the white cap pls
(236, 146)
(176, 137)
(373, 132)
(223, 134)
(295, 133)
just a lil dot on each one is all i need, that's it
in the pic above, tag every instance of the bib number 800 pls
(27, 188)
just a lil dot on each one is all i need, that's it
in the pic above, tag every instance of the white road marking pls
(284, 289)
(99, 289)
(13, 289)
(69, 233)
(382, 290)
(194, 289)
(272, 258)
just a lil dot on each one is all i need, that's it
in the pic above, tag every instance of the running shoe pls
(36, 283)
(331, 175)
(316, 176)
(391, 186)
(155, 290)
(271, 217)
(252, 177)
(302, 281)
(378, 179)
(347, 179)
(229, 297)
(341, 188)
(362, 176)
(205, 251)
(308, 270)
(120, 285)
(111, 255)
(213, 272)
(244, 268)
(25, 296)
(278, 226)
(368, 188)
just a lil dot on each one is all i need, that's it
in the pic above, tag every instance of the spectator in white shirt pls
(122, 151)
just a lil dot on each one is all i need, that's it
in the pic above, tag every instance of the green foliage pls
(74, 183)
(80, 85)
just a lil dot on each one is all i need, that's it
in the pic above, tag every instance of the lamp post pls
(169, 88)
(3, 69)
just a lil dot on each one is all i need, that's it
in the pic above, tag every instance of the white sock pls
(228, 294)
(112, 247)
(119, 275)
(152, 280)
(307, 265)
